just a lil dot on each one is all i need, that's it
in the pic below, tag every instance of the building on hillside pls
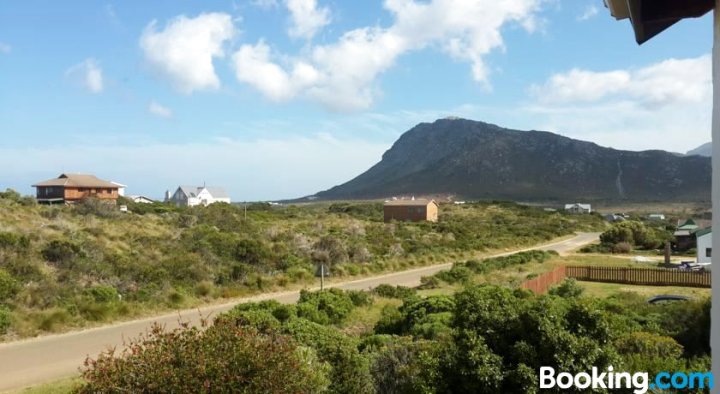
(190, 196)
(656, 216)
(614, 217)
(141, 199)
(411, 210)
(71, 188)
(685, 236)
(578, 208)
(704, 245)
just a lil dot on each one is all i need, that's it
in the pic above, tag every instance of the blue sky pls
(282, 98)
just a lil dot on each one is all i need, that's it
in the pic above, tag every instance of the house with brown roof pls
(70, 188)
(411, 210)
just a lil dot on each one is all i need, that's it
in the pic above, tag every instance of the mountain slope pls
(702, 150)
(479, 160)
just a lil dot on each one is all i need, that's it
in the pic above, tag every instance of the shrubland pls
(482, 338)
(72, 266)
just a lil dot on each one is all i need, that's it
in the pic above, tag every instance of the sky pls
(276, 99)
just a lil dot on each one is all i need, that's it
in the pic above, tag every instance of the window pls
(708, 252)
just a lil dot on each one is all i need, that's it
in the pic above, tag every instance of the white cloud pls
(184, 50)
(5, 48)
(342, 75)
(666, 105)
(590, 12)
(306, 18)
(249, 169)
(89, 74)
(668, 82)
(159, 110)
(265, 4)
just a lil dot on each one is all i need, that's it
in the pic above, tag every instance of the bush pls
(398, 292)
(223, 358)
(5, 320)
(13, 241)
(330, 306)
(103, 294)
(350, 371)
(569, 288)
(8, 286)
(60, 251)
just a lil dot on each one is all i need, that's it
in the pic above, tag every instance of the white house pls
(190, 196)
(141, 199)
(704, 245)
(578, 208)
(656, 216)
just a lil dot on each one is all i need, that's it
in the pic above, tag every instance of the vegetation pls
(481, 338)
(624, 237)
(70, 266)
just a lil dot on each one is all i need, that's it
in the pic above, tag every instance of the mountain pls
(702, 150)
(471, 159)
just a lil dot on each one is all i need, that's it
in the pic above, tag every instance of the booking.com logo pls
(640, 381)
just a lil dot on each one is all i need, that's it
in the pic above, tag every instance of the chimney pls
(167, 195)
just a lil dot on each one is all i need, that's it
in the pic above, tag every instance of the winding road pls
(38, 360)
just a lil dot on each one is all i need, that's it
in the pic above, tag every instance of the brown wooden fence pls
(544, 282)
(640, 276)
(631, 276)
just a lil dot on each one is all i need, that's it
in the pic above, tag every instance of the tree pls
(224, 358)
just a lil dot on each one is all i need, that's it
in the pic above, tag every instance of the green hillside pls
(73, 266)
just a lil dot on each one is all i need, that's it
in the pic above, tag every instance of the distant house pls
(704, 245)
(70, 188)
(141, 199)
(578, 208)
(685, 236)
(614, 217)
(190, 196)
(656, 216)
(411, 210)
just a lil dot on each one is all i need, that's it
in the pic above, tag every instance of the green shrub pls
(223, 358)
(350, 372)
(103, 294)
(398, 292)
(330, 306)
(9, 286)
(5, 320)
(13, 241)
(568, 288)
(60, 251)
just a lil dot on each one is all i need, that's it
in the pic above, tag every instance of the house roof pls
(77, 180)
(583, 206)
(194, 191)
(689, 225)
(704, 231)
(217, 192)
(409, 203)
(649, 18)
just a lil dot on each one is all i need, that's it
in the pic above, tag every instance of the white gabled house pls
(190, 196)
(578, 208)
(704, 246)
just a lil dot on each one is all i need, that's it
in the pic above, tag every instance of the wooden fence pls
(544, 282)
(640, 276)
(631, 276)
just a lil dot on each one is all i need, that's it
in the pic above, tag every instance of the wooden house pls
(411, 210)
(70, 188)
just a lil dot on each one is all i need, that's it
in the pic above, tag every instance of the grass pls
(363, 319)
(63, 386)
(602, 290)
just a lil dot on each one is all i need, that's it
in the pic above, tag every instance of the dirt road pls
(37, 360)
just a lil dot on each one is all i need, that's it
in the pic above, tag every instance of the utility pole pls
(322, 276)
(245, 218)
